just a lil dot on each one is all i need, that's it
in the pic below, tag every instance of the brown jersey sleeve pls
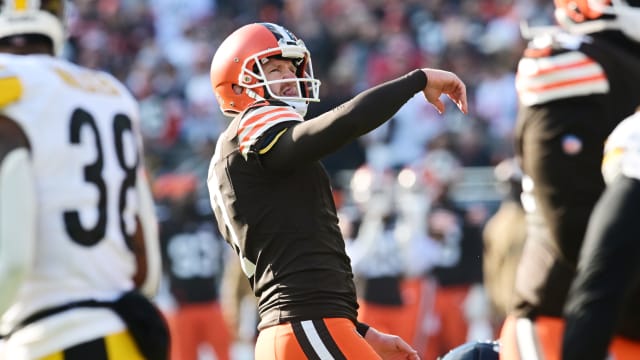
(312, 139)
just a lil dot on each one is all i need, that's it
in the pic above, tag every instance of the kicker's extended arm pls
(312, 139)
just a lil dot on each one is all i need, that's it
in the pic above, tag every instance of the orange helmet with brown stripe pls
(34, 17)
(587, 16)
(237, 76)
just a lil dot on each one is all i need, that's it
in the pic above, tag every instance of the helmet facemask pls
(615, 15)
(627, 18)
(253, 77)
(238, 75)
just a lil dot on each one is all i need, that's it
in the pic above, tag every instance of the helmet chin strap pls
(299, 106)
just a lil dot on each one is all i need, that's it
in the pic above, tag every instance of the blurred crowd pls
(392, 184)
(161, 49)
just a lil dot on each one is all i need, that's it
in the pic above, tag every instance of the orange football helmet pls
(587, 16)
(238, 63)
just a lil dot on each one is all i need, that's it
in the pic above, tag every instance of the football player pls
(193, 255)
(605, 291)
(75, 207)
(272, 197)
(575, 84)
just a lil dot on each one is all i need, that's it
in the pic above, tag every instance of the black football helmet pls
(475, 350)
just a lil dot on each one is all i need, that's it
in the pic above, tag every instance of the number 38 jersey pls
(82, 127)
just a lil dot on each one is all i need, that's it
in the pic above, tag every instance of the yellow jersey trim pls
(10, 90)
(273, 142)
(55, 356)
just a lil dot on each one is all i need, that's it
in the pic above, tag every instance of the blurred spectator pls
(460, 311)
(193, 254)
(240, 309)
(420, 252)
(203, 121)
(162, 49)
(503, 237)
(496, 100)
(376, 258)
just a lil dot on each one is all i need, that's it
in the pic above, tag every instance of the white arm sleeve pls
(149, 223)
(18, 227)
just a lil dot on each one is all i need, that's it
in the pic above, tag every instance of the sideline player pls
(272, 197)
(606, 288)
(193, 256)
(575, 85)
(77, 223)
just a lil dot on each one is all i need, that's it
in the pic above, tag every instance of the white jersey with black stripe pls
(82, 126)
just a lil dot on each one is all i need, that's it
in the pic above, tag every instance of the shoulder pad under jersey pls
(260, 118)
(10, 85)
(552, 68)
(622, 150)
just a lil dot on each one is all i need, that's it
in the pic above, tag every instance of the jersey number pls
(93, 174)
(194, 255)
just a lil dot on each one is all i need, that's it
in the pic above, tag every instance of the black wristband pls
(362, 328)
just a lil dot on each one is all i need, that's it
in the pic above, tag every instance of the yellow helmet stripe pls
(20, 5)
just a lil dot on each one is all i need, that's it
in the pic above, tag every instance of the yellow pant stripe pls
(119, 346)
(55, 356)
(122, 346)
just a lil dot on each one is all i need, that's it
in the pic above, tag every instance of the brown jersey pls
(573, 92)
(285, 228)
(273, 202)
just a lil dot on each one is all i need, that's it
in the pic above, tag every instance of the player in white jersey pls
(606, 288)
(78, 231)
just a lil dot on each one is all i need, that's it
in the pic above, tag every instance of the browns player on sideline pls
(606, 289)
(76, 213)
(193, 256)
(575, 85)
(272, 197)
